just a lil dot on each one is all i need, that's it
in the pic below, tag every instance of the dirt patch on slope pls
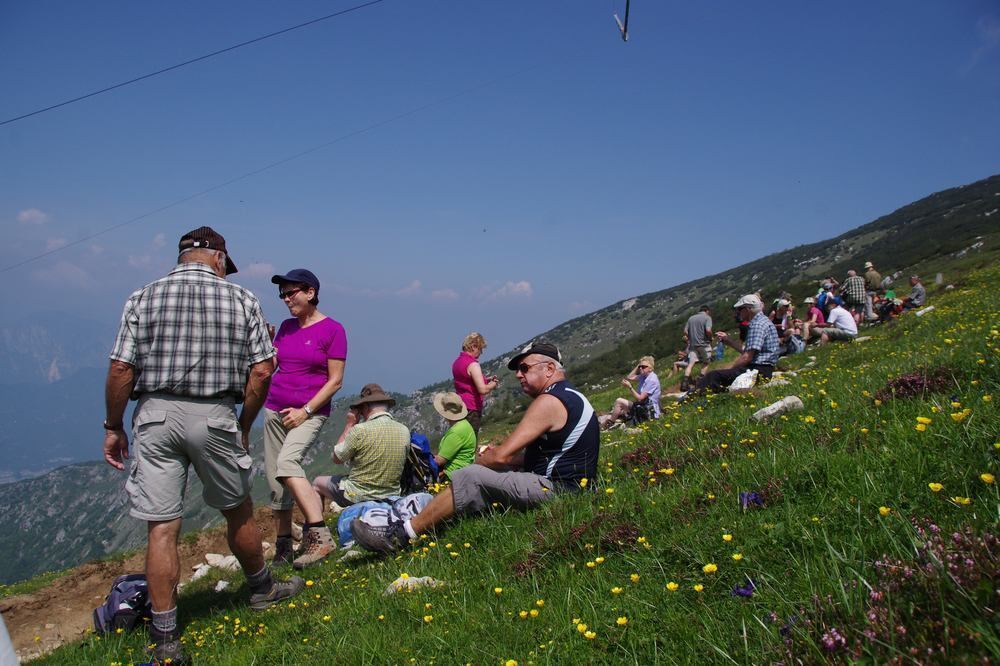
(61, 612)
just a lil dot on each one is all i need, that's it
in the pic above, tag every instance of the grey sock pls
(166, 621)
(260, 581)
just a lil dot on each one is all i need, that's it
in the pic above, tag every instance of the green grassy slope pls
(643, 561)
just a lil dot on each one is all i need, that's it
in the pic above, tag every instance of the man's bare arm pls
(254, 395)
(545, 414)
(117, 389)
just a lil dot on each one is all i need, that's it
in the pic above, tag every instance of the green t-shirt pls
(458, 446)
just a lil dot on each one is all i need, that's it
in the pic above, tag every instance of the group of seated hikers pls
(833, 314)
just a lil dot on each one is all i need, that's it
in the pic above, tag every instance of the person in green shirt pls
(458, 446)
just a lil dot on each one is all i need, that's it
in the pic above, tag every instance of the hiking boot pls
(284, 550)
(166, 648)
(386, 538)
(317, 543)
(280, 590)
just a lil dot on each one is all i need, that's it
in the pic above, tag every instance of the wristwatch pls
(113, 428)
(306, 409)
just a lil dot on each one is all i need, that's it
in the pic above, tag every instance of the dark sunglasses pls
(524, 367)
(643, 366)
(288, 294)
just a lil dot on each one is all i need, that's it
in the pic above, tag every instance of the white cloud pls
(444, 295)
(64, 274)
(142, 261)
(159, 240)
(988, 31)
(411, 289)
(54, 244)
(520, 289)
(32, 216)
(258, 269)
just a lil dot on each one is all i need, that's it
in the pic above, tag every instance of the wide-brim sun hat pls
(450, 406)
(373, 393)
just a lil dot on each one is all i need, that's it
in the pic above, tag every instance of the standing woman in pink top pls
(470, 384)
(312, 351)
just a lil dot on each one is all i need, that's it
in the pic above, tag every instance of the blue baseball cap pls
(298, 275)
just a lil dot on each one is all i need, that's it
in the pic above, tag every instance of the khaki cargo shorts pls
(284, 450)
(171, 434)
(477, 488)
(700, 355)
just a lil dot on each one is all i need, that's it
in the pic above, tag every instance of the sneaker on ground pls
(317, 544)
(166, 649)
(280, 590)
(284, 550)
(386, 538)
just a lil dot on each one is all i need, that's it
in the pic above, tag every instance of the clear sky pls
(491, 166)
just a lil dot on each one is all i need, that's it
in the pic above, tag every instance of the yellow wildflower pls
(497, 590)
(634, 578)
(589, 635)
(672, 586)
(737, 556)
(583, 482)
(616, 590)
(581, 627)
(986, 477)
(936, 487)
(710, 568)
(428, 618)
(961, 500)
(622, 621)
(727, 537)
(699, 587)
(920, 427)
(884, 511)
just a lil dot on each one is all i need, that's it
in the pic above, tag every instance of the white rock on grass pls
(777, 382)
(200, 571)
(863, 338)
(789, 403)
(409, 584)
(221, 585)
(224, 562)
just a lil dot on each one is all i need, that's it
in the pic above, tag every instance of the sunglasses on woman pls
(288, 294)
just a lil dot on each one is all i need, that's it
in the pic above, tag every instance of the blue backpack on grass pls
(126, 606)
(420, 470)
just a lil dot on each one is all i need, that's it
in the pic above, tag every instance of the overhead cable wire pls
(272, 165)
(189, 62)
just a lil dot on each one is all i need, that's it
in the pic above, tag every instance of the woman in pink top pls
(312, 351)
(469, 381)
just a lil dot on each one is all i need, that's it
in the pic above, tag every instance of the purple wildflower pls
(745, 590)
(751, 498)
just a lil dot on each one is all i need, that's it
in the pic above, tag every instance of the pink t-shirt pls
(464, 385)
(302, 362)
(820, 319)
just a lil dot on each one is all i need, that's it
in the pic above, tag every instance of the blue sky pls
(544, 168)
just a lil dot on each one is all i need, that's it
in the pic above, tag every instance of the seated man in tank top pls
(556, 444)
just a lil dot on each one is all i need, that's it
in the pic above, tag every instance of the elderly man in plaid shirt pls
(189, 348)
(758, 352)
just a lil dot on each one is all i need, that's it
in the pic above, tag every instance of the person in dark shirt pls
(556, 444)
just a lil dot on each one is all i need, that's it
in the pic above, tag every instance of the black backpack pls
(639, 412)
(126, 606)
(420, 469)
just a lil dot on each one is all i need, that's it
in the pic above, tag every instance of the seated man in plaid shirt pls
(374, 446)
(759, 351)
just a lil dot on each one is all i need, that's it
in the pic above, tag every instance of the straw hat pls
(450, 406)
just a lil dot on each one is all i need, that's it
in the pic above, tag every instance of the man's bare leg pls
(163, 566)
(441, 508)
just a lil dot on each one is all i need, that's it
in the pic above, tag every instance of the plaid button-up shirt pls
(762, 338)
(192, 334)
(854, 289)
(376, 452)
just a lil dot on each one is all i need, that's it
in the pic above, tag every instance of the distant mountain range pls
(83, 505)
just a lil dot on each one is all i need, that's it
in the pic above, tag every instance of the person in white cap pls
(759, 351)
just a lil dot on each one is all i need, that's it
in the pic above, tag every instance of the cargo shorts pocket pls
(226, 468)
